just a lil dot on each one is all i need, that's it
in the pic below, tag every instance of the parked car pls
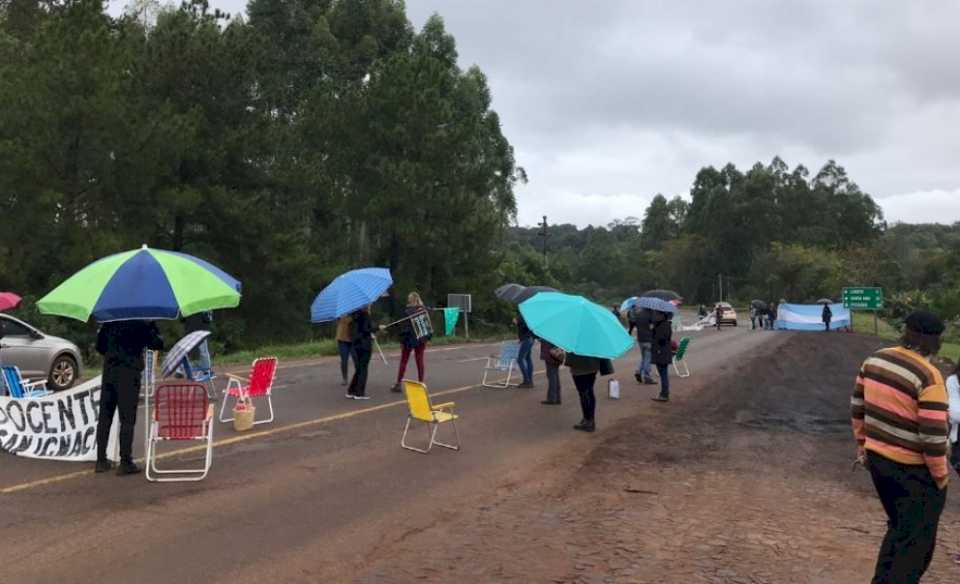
(728, 316)
(38, 355)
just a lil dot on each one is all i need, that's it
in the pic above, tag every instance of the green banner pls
(450, 318)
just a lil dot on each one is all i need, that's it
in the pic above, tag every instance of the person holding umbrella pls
(584, 371)
(122, 344)
(362, 351)
(525, 357)
(827, 316)
(552, 364)
(662, 349)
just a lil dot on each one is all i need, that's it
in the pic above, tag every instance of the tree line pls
(310, 137)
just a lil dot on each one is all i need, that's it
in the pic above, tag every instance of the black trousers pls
(588, 401)
(358, 385)
(120, 391)
(913, 504)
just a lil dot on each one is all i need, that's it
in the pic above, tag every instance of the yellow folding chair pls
(418, 400)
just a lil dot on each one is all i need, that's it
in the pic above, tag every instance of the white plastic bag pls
(613, 389)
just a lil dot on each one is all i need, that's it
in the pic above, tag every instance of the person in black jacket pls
(362, 328)
(584, 371)
(662, 349)
(827, 317)
(643, 320)
(122, 344)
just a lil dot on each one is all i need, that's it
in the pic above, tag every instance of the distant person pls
(410, 341)
(122, 344)
(771, 315)
(718, 313)
(525, 357)
(953, 393)
(754, 316)
(827, 316)
(201, 321)
(662, 352)
(584, 371)
(345, 346)
(362, 351)
(702, 312)
(616, 312)
(899, 412)
(644, 326)
(552, 364)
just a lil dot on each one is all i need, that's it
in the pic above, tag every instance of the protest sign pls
(60, 426)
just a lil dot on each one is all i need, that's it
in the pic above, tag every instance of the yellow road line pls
(237, 439)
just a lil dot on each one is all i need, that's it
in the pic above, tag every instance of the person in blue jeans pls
(643, 322)
(525, 358)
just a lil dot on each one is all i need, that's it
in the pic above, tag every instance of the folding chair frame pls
(496, 364)
(236, 382)
(685, 372)
(432, 426)
(155, 474)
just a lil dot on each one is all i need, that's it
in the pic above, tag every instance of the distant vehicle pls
(38, 355)
(728, 316)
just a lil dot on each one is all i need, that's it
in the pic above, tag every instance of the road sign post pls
(864, 298)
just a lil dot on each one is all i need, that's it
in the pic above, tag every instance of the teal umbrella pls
(576, 325)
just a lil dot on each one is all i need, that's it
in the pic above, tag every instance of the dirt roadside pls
(745, 477)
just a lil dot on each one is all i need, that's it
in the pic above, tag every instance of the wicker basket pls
(243, 419)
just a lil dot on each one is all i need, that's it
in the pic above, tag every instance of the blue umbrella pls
(628, 303)
(349, 292)
(576, 325)
(178, 353)
(656, 304)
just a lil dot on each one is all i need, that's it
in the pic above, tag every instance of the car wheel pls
(63, 373)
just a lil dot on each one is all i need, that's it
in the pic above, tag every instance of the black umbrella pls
(758, 304)
(531, 291)
(824, 301)
(509, 292)
(668, 295)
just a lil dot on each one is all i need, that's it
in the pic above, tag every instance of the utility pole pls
(720, 279)
(543, 233)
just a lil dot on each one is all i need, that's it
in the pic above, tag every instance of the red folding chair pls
(181, 412)
(258, 385)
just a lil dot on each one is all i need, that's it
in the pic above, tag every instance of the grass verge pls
(863, 323)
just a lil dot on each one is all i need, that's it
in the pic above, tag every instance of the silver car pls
(39, 356)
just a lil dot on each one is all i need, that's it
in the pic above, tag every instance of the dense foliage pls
(312, 137)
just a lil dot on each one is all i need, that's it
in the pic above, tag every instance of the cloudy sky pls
(608, 103)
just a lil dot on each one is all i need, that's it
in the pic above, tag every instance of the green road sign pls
(863, 298)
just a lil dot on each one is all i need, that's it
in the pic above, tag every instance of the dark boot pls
(661, 398)
(396, 388)
(127, 467)
(586, 426)
(103, 465)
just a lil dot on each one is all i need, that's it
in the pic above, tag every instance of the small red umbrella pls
(9, 300)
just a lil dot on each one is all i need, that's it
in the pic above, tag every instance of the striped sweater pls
(899, 410)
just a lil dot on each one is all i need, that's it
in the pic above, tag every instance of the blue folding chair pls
(505, 362)
(20, 388)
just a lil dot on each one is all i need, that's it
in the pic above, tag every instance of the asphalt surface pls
(326, 486)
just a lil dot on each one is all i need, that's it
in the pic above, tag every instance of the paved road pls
(314, 495)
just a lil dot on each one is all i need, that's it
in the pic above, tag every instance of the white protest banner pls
(60, 426)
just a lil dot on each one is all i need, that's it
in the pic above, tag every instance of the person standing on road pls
(410, 341)
(362, 351)
(718, 312)
(525, 357)
(122, 344)
(899, 415)
(662, 352)
(584, 371)
(552, 365)
(953, 393)
(345, 346)
(754, 315)
(644, 323)
(827, 317)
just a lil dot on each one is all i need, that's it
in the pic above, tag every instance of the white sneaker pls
(361, 397)
(350, 396)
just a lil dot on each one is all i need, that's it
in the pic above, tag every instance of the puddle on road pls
(804, 423)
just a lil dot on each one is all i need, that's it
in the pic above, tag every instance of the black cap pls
(924, 322)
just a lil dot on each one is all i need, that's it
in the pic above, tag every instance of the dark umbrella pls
(824, 301)
(668, 295)
(516, 294)
(509, 292)
(759, 304)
